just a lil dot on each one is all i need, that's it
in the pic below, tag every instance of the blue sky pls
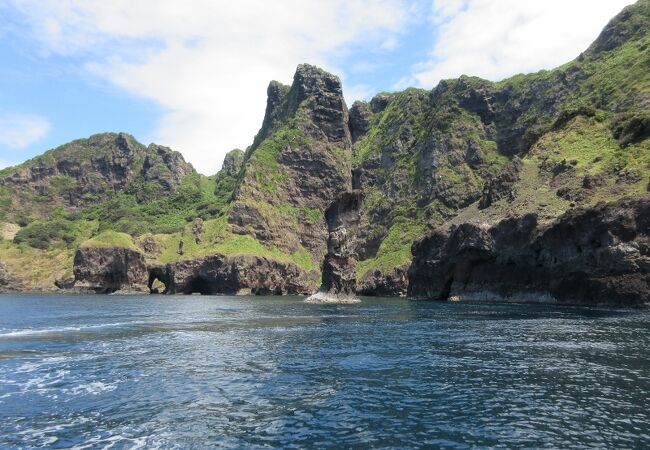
(193, 75)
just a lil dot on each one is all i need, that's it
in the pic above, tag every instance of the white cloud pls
(18, 131)
(390, 43)
(494, 39)
(207, 62)
(358, 92)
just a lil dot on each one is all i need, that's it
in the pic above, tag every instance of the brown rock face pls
(108, 270)
(220, 274)
(596, 256)
(339, 267)
(9, 282)
(379, 283)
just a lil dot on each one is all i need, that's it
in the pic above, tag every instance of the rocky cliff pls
(106, 270)
(86, 172)
(9, 282)
(299, 162)
(339, 280)
(596, 256)
(221, 274)
(468, 154)
(541, 143)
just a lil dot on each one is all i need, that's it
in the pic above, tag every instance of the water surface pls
(238, 372)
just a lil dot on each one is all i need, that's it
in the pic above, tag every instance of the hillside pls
(545, 143)
(469, 151)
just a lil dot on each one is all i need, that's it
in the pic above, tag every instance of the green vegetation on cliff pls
(467, 150)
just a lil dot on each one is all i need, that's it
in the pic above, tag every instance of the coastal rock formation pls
(299, 161)
(106, 270)
(220, 274)
(465, 153)
(593, 256)
(9, 282)
(339, 268)
(384, 283)
(428, 155)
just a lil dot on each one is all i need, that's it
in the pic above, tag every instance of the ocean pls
(274, 372)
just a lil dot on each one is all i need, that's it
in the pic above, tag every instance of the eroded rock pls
(339, 268)
(107, 270)
(221, 274)
(595, 256)
(8, 281)
(384, 283)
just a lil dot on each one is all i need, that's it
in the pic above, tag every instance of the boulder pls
(8, 281)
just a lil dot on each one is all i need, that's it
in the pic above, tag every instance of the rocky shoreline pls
(534, 188)
(596, 256)
(593, 256)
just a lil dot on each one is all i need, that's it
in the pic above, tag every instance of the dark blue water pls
(178, 372)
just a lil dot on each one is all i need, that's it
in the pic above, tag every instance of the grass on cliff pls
(263, 164)
(142, 209)
(110, 238)
(584, 147)
(395, 249)
(40, 267)
(217, 238)
(405, 113)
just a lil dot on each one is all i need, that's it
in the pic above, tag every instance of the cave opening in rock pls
(444, 295)
(201, 286)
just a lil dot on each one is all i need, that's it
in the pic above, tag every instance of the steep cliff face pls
(339, 280)
(596, 256)
(221, 274)
(299, 162)
(106, 270)
(541, 143)
(468, 153)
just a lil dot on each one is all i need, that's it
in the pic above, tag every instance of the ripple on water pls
(145, 372)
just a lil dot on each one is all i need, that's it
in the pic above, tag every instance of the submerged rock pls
(221, 274)
(339, 268)
(594, 256)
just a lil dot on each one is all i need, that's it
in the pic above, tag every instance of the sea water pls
(261, 372)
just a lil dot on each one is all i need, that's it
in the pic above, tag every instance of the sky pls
(193, 74)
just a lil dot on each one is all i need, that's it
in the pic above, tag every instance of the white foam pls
(325, 298)
(58, 330)
(94, 388)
